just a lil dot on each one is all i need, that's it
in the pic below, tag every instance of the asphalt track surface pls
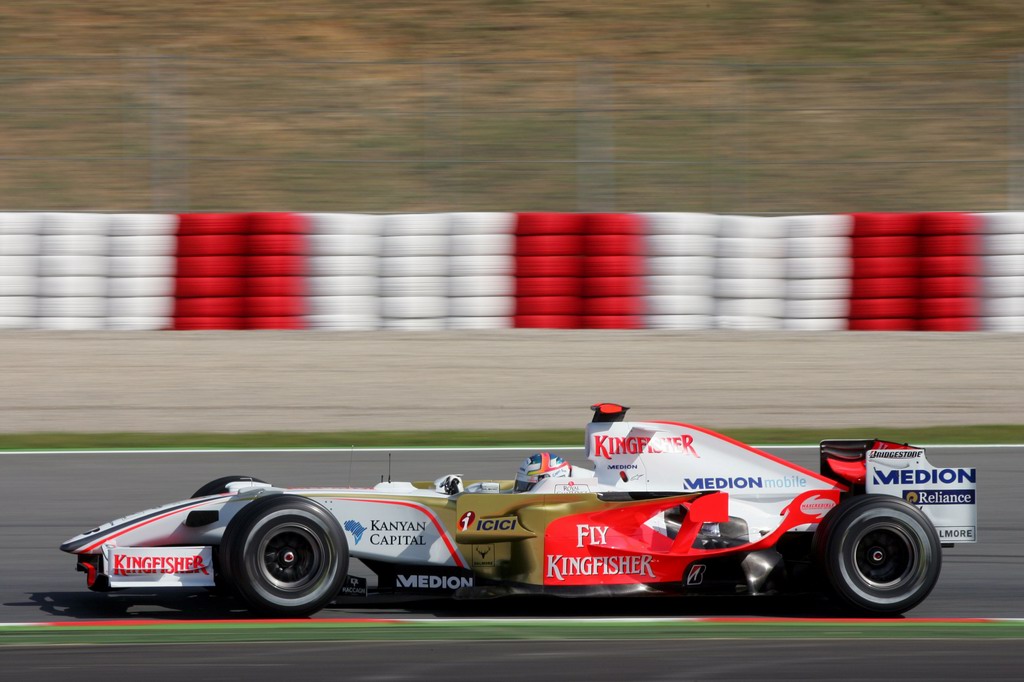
(593, 660)
(48, 497)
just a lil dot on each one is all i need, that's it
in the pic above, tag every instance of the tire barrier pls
(479, 271)
(1002, 261)
(549, 270)
(613, 271)
(817, 298)
(950, 250)
(140, 287)
(344, 268)
(917, 271)
(19, 264)
(72, 272)
(209, 285)
(413, 271)
(883, 249)
(241, 271)
(680, 267)
(480, 282)
(275, 291)
(750, 271)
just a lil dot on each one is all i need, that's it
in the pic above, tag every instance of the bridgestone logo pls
(434, 582)
(895, 454)
(139, 565)
(559, 566)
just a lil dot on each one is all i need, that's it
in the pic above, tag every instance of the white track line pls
(574, 448)
(711, 620)
(207, 451)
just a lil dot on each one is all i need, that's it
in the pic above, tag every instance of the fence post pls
(156, 203)
(595, 139)
(168, 148)
(435, 168)
(179, 110)
(742, 135)
(1015, 170)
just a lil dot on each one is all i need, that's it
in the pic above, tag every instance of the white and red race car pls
(666, 509)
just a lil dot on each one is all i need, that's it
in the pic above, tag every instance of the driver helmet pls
(539, 466)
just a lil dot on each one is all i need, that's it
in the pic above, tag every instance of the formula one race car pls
(667, 509)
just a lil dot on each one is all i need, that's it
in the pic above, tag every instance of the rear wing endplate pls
(947, 496)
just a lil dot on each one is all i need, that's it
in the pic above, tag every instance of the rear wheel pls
(880, 554)
(285, 555)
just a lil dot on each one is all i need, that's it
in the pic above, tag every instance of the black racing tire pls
(219, 485)
(284, 555)
(879, 554)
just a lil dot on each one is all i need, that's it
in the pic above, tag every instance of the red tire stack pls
(276, 271)
(548, 270)
(950, 248)
(210, 275)
(613, 271)
(884, 289)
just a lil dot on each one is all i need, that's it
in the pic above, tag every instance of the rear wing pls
(947, 496)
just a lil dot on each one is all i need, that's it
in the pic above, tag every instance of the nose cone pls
(72, 545)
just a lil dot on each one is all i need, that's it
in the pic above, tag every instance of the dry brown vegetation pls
(741, 30)
(775, 106)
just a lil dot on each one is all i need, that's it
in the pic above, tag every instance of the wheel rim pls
(293, 556)
(885, 556)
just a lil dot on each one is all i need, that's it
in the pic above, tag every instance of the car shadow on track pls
(525, 606)
(203, 605)
(83, 605)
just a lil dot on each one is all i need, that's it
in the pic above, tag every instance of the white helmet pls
(539, 466)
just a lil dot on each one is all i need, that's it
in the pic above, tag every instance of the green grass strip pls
(524, 438)
(489, 630)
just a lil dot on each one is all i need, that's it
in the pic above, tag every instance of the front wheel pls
(285, 555)
(880, 554)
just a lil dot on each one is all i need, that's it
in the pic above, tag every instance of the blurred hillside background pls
(782, 106)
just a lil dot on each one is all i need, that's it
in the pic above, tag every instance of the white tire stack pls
(414, 271)
(73, 271)
(344, 264)
(750, 271)
(1003, 280)
(140, 284)
(817, 272)
(481, 281)
(680, 282)
(19, 264)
